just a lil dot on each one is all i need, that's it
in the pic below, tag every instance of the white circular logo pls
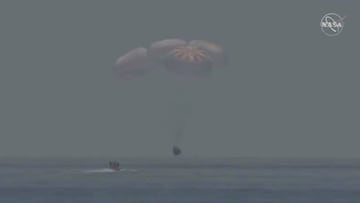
(332, 24)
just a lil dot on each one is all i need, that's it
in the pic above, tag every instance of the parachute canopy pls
(134, 63)
(194, 58)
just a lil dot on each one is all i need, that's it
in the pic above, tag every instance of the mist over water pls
(282, 94)
(288, 90)
(180, 180)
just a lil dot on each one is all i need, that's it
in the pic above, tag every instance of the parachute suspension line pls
(181, 110)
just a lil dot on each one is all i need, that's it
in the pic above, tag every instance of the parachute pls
(133, 64)
(194, 59)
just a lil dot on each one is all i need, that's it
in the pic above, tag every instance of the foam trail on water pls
(108, 170)
(101, 170)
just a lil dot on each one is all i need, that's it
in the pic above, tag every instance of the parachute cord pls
(181, 110)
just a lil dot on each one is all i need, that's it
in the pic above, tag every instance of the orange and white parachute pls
(194, 58)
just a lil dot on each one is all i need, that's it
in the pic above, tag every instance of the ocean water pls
(180, 181)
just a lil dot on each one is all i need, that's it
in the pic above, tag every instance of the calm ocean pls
(180, 181)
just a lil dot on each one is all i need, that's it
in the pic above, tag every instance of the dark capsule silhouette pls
(176, 151)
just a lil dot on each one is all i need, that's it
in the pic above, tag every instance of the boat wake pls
(101, 170)
(108, 170)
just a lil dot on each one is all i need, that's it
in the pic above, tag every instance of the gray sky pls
(289, 90)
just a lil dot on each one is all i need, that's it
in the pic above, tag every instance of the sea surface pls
(181, 180)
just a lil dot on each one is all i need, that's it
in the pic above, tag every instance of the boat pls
(114, 165)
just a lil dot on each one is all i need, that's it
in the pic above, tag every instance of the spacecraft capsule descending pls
(193, 59)
(176, 150)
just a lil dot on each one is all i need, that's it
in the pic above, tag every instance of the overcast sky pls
(289, 90)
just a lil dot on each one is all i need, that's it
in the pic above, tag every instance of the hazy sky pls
(289, 89)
